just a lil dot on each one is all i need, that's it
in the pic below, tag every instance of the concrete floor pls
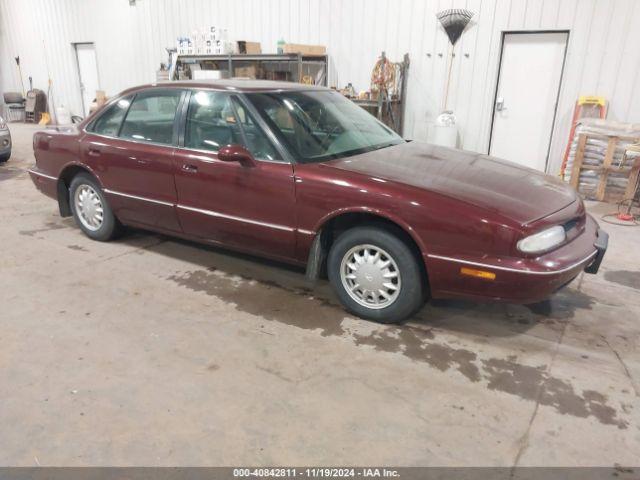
(152, 351)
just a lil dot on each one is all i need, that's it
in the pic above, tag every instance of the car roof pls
(235, 84)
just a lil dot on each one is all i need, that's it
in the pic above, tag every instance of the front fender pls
(385, 215)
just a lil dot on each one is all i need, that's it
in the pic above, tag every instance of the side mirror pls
(236, 153)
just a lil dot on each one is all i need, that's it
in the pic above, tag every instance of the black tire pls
(5, 157)
(109, 228)
(410, 297)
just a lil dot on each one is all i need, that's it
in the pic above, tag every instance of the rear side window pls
(151, 115)
(109, 122)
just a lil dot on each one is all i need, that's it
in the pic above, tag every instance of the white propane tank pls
(63, 115)
(444, 131)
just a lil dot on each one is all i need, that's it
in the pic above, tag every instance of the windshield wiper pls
(384, 145)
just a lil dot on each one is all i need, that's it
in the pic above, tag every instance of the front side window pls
(151, 116)
(256, 141)
(211, 123)
(216, 119)
(109, 122)
(322, 125)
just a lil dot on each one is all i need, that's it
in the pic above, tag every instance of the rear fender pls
(64, 182)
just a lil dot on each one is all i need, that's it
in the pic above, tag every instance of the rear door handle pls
(189, 168)
(94, 152)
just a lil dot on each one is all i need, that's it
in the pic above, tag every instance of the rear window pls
(109, 122)
(151, 116)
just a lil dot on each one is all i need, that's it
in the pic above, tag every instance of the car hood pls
(517, 192)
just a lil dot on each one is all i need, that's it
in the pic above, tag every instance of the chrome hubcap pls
(89, 207)
(370, 276)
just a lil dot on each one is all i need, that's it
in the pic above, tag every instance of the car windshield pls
(322, 125)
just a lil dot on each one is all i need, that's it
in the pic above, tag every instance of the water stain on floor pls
(563, 305)
(266, 299)
(275, 302)
(77, 247)
(535, 384)
(7, 172)
(414, 343)
(49, 226)
(624, 277)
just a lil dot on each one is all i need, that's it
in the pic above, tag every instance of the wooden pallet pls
(632, 186)
(605, 169)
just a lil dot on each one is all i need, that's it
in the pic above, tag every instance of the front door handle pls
(94, 152)
(189, 168)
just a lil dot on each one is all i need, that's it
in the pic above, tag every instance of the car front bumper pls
(601, 244)
(519, 280)
(5, 142)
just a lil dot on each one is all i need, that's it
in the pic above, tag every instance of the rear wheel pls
(375, 274)
(91, 210)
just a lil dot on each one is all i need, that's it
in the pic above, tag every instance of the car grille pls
(570, 225)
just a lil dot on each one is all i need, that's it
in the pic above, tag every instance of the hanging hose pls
(383, 76)
(625, 215)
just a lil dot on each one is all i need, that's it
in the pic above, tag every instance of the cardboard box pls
(213, 32)
(250, 48)
(209, 74)
(100, 100)
(280, 76)
(245, 72)
(304, 49)
(101, 97)
(184, 46)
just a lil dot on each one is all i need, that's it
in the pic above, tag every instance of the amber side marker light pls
(472, 272)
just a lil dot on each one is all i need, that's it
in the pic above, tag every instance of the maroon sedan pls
(302, 175)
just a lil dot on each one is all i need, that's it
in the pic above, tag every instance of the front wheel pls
(90, 209)
(375, 274)
(5, 157)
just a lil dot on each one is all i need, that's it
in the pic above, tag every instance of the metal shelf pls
(228, 61)
(370, 103)
(254, 57)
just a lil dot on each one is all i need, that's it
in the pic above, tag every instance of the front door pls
(526, 97)
(247, 207)
(135, 164)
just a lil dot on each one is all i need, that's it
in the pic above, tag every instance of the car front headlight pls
(543, 241)
(3, 124)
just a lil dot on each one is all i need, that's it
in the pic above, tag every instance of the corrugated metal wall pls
(603, 56)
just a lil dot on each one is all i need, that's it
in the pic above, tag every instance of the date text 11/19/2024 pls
(318, 472)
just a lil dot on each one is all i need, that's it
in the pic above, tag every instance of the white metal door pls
(526, 96)
(88, 72)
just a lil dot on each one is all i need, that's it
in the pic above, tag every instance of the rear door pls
(247, 207)
(131, 146)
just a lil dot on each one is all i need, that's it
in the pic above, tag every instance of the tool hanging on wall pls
(51, 112)
(384, 78)
(20, 75)
(454, 21)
